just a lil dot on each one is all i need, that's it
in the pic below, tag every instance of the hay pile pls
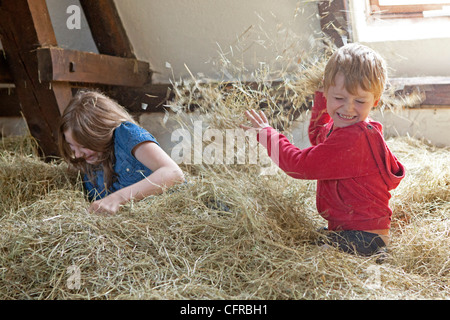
(230, 232)
(227, 234)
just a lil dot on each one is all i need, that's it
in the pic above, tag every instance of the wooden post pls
(106, 28)
(334, 20)
(25, 26)
(111, 39)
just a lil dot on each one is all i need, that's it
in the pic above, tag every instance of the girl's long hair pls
(92, 117)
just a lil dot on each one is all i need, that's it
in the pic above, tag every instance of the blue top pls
(128, 169)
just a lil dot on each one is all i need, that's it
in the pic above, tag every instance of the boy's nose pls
(350, 106)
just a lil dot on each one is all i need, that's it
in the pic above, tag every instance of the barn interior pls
(219, 236)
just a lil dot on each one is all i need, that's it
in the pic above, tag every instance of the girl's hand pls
(259, 121)
(108, 205)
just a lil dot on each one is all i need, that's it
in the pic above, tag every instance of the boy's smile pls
(345, 108)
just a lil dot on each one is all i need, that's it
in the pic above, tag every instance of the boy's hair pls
(92, 117)
(361, 66)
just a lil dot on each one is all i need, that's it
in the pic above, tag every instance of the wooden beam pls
(150, 98)
(56, 64)
(5, 75)
(438, 94)
(435, 90)
(435, 96)
(334, 20)
(107, 28)
(25, 26)
(9, 103)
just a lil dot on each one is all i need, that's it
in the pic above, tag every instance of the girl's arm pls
(166, 173)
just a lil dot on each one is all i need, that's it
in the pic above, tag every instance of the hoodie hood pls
(391, 169)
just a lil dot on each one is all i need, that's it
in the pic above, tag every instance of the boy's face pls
(346, 109)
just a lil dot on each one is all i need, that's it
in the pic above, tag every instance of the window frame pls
(402, 11)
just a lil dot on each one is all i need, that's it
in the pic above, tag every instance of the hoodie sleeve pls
(320, 123)
(344, 154)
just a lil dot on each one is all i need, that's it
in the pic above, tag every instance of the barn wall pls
(70, 38)
(201, 34)
(196, 32)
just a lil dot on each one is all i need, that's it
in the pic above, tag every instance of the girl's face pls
(90, 156)
(346, 109)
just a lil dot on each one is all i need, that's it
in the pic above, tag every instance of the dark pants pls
(354, 241)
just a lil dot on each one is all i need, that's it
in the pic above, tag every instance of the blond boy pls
(353, 166)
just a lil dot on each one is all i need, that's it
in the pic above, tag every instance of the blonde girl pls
(120, 160)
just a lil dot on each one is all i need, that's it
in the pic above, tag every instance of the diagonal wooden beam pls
(107, 28)
(25, 26)
(334, 20)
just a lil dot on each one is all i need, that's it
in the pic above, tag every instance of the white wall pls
(429, 124)
(76, 39)
(193, 32)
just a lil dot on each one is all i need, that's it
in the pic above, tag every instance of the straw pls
(230, 232)
(226, 234)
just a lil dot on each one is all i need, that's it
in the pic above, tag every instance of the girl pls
(120, 160)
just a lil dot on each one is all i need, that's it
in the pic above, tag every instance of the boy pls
(354, 168)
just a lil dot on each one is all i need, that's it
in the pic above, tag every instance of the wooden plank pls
(107, 28)
(152, 98)
(438, 94)
(56, 64)
(436, 90)
(25, 26)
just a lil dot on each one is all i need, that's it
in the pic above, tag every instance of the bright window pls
(394, 20)
(386, 9)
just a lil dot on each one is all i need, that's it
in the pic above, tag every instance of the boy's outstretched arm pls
(309, 163)
(258, 120)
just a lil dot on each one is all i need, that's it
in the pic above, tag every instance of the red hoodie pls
(354, 169)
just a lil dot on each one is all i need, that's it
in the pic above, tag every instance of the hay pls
(23, 178)
(421, 207)
(227, 234)
(230, 232)
(283, 92)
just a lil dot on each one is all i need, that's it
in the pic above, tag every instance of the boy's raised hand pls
(259, 121)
